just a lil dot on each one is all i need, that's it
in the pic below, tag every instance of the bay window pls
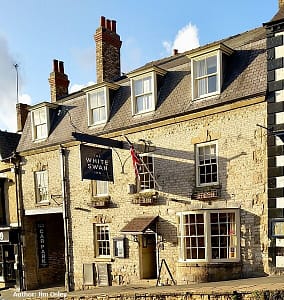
(209, 235)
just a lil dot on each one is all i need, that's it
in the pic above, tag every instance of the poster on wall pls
(96, 163)
(42, 245)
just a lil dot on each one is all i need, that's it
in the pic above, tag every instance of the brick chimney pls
(281, 3)
(108, 45)
(22, 113)
(58, 81)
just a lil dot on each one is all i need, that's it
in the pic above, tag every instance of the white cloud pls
(77, 87)
(186, 39)
(8, 91)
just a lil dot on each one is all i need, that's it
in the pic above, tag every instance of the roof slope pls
(245, 77)
(8, 143)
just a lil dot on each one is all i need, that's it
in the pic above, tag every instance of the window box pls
(206, 193)
(100, 202)
(146, 197)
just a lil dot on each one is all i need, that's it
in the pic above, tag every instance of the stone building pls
(9, 210)
(168, 172)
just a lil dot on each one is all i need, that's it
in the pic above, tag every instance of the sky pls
(34, 32)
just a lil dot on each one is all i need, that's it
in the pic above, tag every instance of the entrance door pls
(7, 260)
(148, 260)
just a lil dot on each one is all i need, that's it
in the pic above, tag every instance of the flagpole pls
(145, 166)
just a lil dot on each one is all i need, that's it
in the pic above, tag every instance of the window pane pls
(146, 173)
(139, 103)
(207, 164)
(41, 186)
(200, 68)
(102, 240)
(223, 235)
(147, 85)
(138, 87)
(102, 188)
(212, 84)
(211, 64)
(194, 237)
(202, 87)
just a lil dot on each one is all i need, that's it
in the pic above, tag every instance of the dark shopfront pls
(8, 254)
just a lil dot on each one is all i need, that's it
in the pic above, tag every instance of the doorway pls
(148, 258)
(7, 261)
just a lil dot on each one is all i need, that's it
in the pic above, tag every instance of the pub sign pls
(96, 163)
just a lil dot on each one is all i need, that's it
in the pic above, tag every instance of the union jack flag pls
(136, 161)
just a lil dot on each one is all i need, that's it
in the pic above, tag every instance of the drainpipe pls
(16, 159)
(62, 152)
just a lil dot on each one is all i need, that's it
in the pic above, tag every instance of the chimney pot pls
(175, 51)
(55, 65)
(108, 24)
(61, 67)
(103, 21)
(113, 26)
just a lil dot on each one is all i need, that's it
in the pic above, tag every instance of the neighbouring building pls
(10, 224)
(172, 172)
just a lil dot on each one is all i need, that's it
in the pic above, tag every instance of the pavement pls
(271, 283)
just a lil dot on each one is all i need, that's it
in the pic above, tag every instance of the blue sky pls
(34, 32)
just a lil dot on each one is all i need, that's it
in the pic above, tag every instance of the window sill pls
(144, 113)
(103, 259)
(206, 96)
(99, 124)
(43, 203)
(198, 263)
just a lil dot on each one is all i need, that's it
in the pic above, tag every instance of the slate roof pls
(245, 77)
(8, 143)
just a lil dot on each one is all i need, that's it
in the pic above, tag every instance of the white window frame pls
(152, 93)
(102, 241)
(198, 165)
(144, 174)
(100, 188)
(232, 236)
(41, 186)
(40, 122)
(218, 73)
(105, 107)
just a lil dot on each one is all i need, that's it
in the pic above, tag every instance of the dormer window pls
(207, 67)
(99, 98)
(143, 95)
(40, 120)
(206, 76)
(40, 123)
(97, 107)
(144, 87)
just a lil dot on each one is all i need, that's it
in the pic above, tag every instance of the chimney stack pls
(108, 45)
(58, 81)
(281, 3)
(22, 113)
